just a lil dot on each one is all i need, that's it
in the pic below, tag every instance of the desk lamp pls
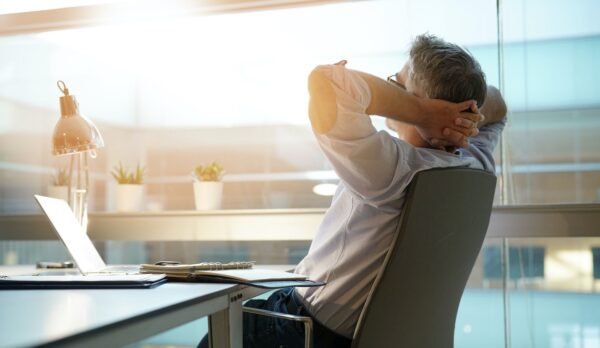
(77, 137)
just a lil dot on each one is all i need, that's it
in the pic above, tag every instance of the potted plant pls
(59, 187)
(130, 191)
(208, 188)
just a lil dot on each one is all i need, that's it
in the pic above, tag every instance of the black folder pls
(108, 281)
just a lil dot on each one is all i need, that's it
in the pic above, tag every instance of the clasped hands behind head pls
(447, 85)
(465, 126)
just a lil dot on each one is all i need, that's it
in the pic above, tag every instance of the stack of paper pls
(175, 270)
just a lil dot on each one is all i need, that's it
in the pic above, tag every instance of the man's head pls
(440, 70)
(443, 70)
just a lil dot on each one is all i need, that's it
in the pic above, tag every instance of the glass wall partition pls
(552, 292)
(532, 292)
(551, 156)
(552, 87)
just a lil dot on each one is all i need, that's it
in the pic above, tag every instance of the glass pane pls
(31, 252)
(553, 292)
(480, 318)
(175, 93)
(552, 88)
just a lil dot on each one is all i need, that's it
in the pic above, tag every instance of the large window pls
(177, 92)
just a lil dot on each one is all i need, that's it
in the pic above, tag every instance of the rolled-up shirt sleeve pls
(352, 97)
(483, 144)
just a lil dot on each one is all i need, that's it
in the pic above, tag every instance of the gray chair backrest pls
(415, 297)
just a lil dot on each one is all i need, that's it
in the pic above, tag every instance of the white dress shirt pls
(374, 170)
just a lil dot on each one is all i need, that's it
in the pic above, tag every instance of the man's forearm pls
(386, 100)
(390, 101)
(434, 118)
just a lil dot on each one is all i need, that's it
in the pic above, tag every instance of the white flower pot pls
(130, 197)
(60, 192)
(208, 195)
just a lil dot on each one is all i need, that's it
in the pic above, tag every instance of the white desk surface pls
(34, 317)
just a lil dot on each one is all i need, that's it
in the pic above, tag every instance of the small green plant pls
(61, 178)
(211, 172)
(123, 176)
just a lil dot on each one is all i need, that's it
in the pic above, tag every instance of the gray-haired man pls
(374, 169)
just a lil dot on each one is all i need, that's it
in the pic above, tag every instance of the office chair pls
(414, 299)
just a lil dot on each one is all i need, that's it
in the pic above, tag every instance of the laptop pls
(79, 245)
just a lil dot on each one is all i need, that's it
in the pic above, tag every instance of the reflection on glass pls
(553, 309)
(552, 286)
(552, 86)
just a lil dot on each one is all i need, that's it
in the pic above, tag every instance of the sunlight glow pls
(233, 69)
(325, 189)
(568, 264)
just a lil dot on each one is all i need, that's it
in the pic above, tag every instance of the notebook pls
(76, 241)
(233, 272)
(176, 270)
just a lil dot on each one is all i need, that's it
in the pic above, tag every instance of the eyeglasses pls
(392, 79)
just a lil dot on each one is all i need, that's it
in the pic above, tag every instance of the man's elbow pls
(322, 106)
(316, 79)
(499, 108)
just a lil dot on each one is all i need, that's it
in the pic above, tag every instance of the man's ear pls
(402, 76)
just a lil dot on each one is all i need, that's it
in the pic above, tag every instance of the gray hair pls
(446, 71)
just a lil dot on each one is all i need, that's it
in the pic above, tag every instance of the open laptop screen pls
(78, 243)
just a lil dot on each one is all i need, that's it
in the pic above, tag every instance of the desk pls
(115, 317)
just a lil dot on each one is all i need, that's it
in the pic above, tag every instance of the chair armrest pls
(308, 323)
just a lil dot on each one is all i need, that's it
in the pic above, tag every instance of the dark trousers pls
(265, 332)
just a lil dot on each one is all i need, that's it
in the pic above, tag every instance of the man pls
(374, 169)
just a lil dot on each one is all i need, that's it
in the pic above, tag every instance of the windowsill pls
(573, 220)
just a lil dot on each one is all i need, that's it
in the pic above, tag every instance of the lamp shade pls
(73, 133)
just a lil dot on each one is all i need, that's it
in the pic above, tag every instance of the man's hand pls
(439, 122)
(445, 124)
(453, 134)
